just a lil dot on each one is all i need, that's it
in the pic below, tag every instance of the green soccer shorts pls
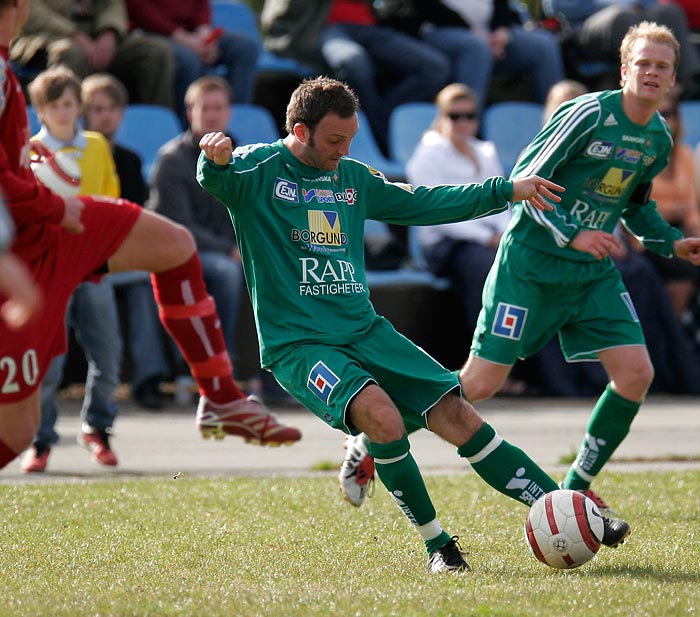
(529, 296)
(325, 378)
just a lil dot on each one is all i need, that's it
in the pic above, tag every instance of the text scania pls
(320, 278)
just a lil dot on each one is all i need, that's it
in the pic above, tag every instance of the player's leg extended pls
(189, 315)
(502, 465)
(481, 379)
(373, 412)
(631, 374)
(18, 424)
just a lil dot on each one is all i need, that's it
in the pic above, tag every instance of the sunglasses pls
(467, 115)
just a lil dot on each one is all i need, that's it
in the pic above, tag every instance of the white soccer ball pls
(59, 172)
(564, 529)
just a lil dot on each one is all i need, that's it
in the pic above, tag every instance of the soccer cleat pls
(247, 418)
(604, 508)
(448, 558)
(615, 531)
(97, 442)
(36, 459)
(356, 475)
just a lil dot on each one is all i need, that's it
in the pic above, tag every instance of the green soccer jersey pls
(300, 232)
(601, 157)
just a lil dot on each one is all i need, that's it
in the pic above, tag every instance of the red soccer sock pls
(189, 315)
(7, 454)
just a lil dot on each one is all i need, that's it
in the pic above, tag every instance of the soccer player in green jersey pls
(298, 207)
(605, 148)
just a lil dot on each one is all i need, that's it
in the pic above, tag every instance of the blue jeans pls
(149, 358)
(224, 280)
(237, 64)
(358, 54)
(469, 54)
(92, 313)
(537, 53)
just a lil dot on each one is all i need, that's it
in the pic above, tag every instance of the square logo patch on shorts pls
(322, 381)
(510, 321)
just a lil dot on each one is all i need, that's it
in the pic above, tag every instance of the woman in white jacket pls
(450, 153)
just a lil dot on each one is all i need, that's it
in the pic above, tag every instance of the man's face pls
(102, 114)
(210, 113)
(649, 73)
(330, 140)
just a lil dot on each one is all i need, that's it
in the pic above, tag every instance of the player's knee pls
(181, 243)
(477, 389)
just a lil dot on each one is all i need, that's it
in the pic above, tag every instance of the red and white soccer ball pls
(56, 171)
(564, 529)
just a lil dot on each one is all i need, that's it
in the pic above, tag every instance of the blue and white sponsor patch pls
(510, 321)
(286, 190)
(322, 381)
(630, 305)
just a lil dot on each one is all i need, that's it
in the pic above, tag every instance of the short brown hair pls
(50, 85)
(650, 31)
(315, 98)
(208, 83)
(107, 84)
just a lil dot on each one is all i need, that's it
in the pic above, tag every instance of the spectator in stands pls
(450, 153)
(91, 37)
(676, 196)
(104, 102)
(176, 194)
(198, 47)
(92, 312)
(385, 67)
(496, 41)
(597, 29)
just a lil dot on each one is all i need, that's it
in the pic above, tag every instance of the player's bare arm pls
(537, 191)
(598, 243)
(217, 147)
(688, 248)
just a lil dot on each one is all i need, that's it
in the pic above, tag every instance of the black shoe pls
(615, 530)
(448, 558)
(149, 395)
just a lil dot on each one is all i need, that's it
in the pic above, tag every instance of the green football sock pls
(505, 467)
(609, 424)
(398, 471)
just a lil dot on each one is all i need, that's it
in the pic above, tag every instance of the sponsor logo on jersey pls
(321, 381)
(324, 229)
(633, 138)
(322, 196)
(510, 321)
(610, 121)
(628, 156)
(286, 190)
(326, 277)
(648, 160)
(348, 196)
(615, 182)
(600, 149)
(589, 216)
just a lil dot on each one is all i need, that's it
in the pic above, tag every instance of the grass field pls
(291, 547)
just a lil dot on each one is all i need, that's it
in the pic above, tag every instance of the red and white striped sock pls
(189, 315)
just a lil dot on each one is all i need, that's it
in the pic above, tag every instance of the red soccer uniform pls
(58, 260)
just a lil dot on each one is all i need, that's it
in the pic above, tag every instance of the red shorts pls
(69, 259)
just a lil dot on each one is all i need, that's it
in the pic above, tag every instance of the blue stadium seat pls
(407, 124)
(145, 128)
(364, 148)
(690, 116)
(237, 16)
(34, 123)
(252, 124)
(510, 126)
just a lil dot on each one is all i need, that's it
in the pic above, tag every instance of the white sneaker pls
(356, 475)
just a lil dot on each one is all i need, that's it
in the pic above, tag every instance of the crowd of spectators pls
(451, 52)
